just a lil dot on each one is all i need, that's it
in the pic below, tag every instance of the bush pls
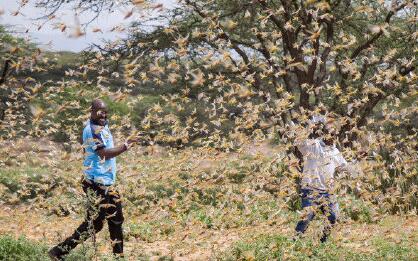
(21, 249)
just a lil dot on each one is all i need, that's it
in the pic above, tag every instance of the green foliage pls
(277, 247)
(64, 59)
(294, 202)
(160, 227)
(205, 219)
(263, 248)
(84, 253)
(116, 108)
(12, 47)
(160, 191)
(143, 105)
(21, 249)
(25, 184)
(391, 251)
(143, 231)
(208, 196)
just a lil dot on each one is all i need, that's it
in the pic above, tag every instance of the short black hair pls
(95, 103)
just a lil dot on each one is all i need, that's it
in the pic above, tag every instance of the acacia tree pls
(346, 55)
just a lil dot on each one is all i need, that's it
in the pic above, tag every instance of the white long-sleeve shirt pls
(319, 164)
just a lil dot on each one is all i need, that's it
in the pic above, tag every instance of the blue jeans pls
(317, 201)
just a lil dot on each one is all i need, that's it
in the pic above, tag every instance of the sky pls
(51, 38)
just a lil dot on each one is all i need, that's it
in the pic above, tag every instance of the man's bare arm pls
(116, 151)
(112, 152)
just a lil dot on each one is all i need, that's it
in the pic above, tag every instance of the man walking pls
(320, 161)
(99, 177)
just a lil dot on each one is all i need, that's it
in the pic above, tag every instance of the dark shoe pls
(324, 238)
(55, 254)
(325, 235)
(298, 236)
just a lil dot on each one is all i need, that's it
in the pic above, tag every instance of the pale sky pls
(51, 38)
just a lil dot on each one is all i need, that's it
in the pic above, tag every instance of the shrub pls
(21, 249)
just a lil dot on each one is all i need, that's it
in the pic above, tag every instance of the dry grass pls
(193, 204)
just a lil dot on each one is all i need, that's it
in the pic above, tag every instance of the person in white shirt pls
(320, 161)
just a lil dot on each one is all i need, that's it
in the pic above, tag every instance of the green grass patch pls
(11, 178)
(278, 247)
(12, 249)
(22, 249)
(142, 231)
(26, 183)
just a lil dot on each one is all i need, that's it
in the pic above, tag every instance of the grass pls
(278, 247)
(143, 231)
(27, 183)
(11, 178)
(21, 249)
(184, 204)
(263, 247)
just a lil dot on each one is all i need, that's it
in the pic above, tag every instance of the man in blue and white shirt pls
(96, 138)
(99, 176)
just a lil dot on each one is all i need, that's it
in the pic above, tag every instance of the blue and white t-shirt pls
(97, 137)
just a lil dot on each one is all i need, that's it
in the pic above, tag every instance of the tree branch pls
(325, 53)
(368, 43)
(242, 53)
(5, 69)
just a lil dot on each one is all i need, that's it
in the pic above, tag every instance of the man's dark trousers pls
(109, 208)
(322, 201)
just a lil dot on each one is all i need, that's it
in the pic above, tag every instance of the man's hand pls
(141, 138)
(134, 138)
(131, 141)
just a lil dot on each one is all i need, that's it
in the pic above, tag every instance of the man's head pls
(316, 126)
(323, 127)
(98, 112)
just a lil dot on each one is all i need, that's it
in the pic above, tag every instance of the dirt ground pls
(199, 244)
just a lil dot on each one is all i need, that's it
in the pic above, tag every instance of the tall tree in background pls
(255, 61)
(16, 54)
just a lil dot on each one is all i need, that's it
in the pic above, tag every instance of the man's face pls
(99, 114)
(318, 130)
